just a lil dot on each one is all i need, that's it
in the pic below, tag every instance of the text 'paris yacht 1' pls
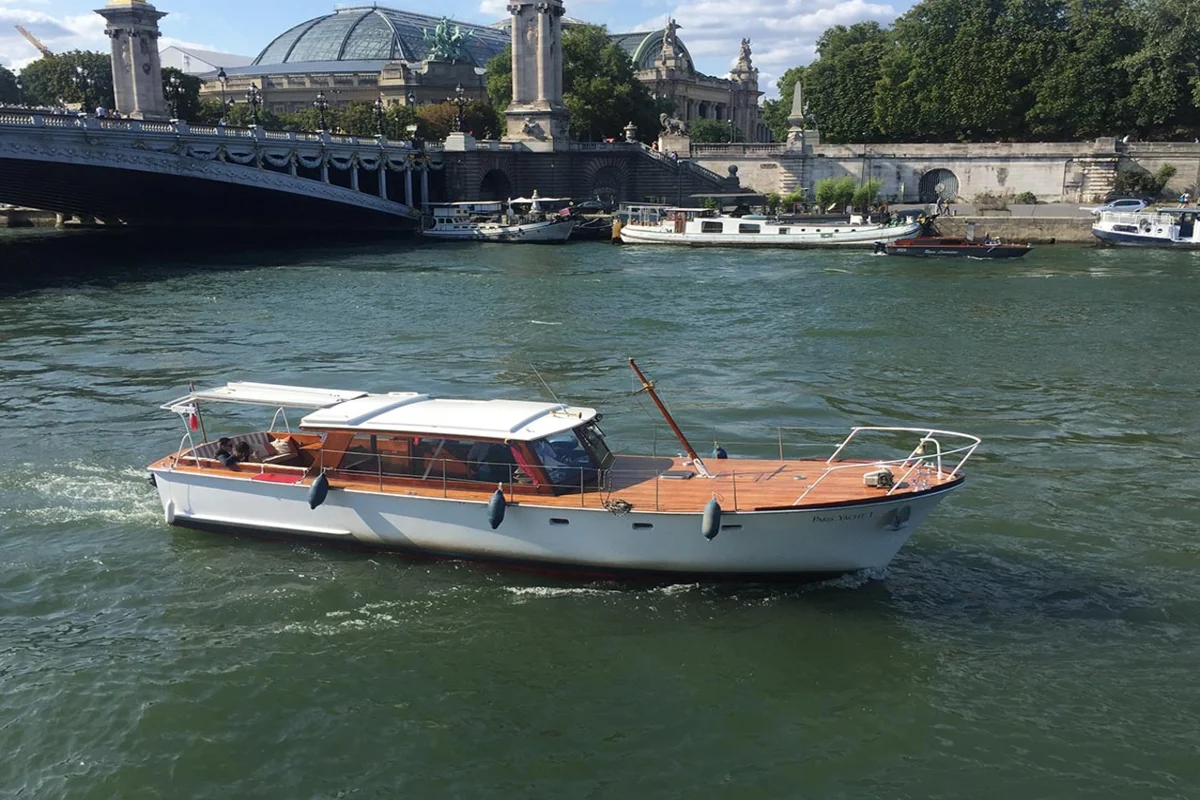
(535, 484)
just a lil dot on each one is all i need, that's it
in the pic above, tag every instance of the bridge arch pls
(938, 183)
(607, 179)
(495, 185)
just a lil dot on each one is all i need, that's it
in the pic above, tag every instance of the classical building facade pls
(361, 54)
(665, 66)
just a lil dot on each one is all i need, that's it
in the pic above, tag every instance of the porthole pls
(642, 526)
(559, 521)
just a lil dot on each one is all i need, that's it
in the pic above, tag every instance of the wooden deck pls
(738, 485)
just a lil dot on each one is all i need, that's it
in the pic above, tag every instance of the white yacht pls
(1164, 227)
(534, 484)
(521, 219)
(704, 227)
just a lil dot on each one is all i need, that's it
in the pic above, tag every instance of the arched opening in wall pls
(495, 186)
(606, 185)
(938, 183)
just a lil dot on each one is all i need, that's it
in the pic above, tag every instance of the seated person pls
(244, 453)
(224, 452)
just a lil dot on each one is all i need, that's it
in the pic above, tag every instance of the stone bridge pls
(173, 174)
(611, 171)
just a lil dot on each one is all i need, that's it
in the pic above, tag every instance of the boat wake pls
(541, 322)
(79, 492)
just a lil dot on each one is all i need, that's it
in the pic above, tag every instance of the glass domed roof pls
(373, 34)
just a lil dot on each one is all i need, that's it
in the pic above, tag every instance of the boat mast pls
(648, 387)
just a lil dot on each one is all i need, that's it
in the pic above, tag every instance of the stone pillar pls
(408, 193)
(536, 116)
(383, 179)
(354, 177)
(424, 185)
(132, 26)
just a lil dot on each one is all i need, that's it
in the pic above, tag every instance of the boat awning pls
(268, 394)
(449, 418)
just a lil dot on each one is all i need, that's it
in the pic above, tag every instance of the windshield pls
(564, 458)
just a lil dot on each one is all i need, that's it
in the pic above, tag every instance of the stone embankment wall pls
(1074, 172)
(1022, 230)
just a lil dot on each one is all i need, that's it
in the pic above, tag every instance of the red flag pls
(194, 420)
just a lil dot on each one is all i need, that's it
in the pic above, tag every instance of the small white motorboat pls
(534, 484)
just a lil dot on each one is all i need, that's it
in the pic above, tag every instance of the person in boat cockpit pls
(224, 452)
(244, 453)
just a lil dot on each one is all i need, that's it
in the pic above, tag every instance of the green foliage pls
(773, 201)
(866, 194)
(776, 112)
(989, 201)
(836, 192)
(840, 84)
(439, 120)
(794, 199)
(1008, 70)
(187, 104)
(711, 202)
(1026, 199)
(1137, 180)
(709, 131)
(8, 87)
(499, 78)
(54, 80)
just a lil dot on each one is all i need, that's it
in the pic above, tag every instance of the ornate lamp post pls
(174, 89)
(379, 116)
(321, 105)
(254, 98)
(81, 81)
(20, 93)
(459, 100)
(224, 79)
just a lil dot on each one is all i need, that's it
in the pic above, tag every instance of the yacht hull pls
(815, 541)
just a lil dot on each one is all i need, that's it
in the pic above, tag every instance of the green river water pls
(1039, 637)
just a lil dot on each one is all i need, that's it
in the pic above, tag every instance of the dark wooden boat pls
(929, 244)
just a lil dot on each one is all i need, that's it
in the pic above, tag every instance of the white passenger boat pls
(522, 219)
(534, 484)
(706, 228)
(1164, 227)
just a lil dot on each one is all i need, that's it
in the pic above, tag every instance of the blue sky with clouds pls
(782, 32)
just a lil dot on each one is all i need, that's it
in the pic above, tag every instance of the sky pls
(782, 33)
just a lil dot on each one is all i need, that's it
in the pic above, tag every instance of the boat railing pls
(918, 458)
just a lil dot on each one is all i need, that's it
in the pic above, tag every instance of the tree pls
(1083, 93)
(841, 82)
(55, 80)
(1165, 71)
(499, 78)
(776, 112)
(836, 192)
(9, 94)
(186, 105)
(439, 120)
(712, 130)
(866, 194)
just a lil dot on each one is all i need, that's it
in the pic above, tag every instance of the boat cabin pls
(405, 438)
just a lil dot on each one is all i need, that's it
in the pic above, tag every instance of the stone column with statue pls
(132, 26)
(536, 117)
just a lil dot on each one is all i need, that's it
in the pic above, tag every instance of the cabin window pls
(593, 440)
(710, 227)
(783, 230)
(1125, 228)
(748, 227)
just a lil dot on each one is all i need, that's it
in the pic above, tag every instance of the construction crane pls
(33, 40)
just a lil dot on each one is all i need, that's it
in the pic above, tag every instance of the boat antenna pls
(548, 389)
(648, 388)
